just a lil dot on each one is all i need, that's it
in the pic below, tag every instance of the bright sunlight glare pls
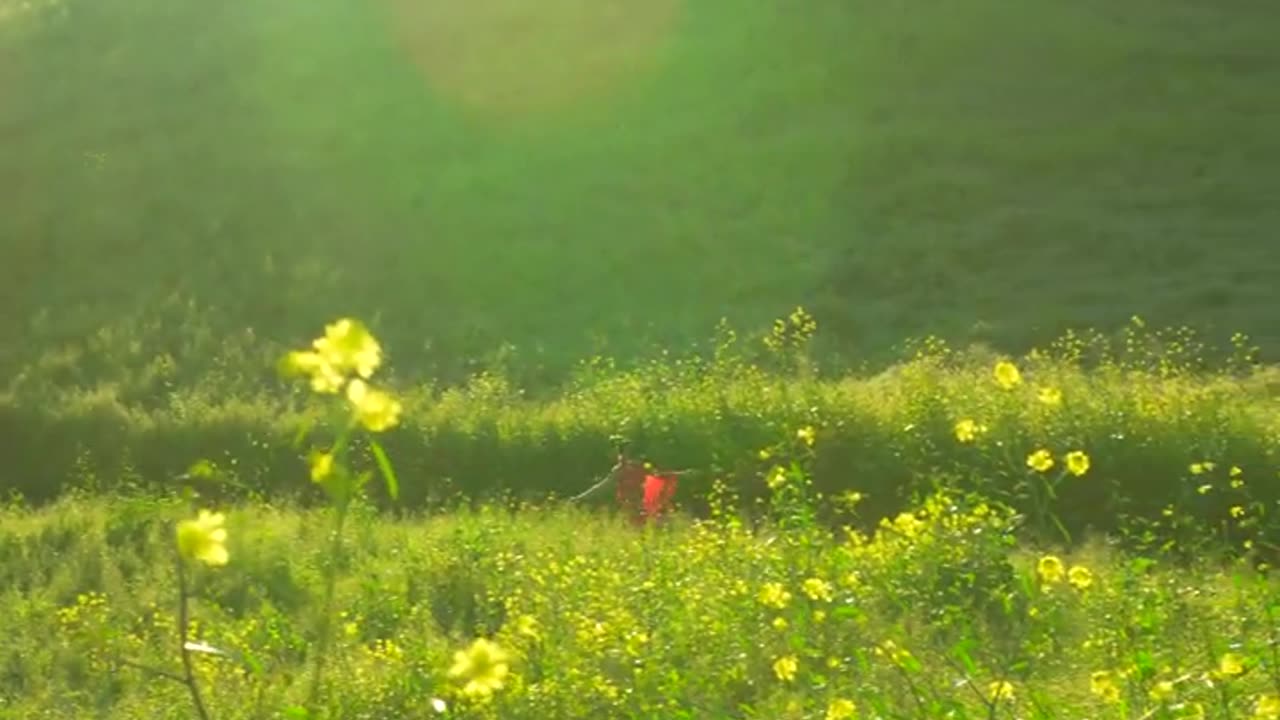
(512, 58)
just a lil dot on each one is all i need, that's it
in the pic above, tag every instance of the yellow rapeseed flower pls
(806, 435)
(817, 589)
(1050, 569)
(1040, 460)
(348, 346)
(1162, 691)
(774, 595)
(1077, 462)
(1103, 684)
(1237, 511)
(204, 539)
(325, 378)
(1007, 375)
(1000, 690)
(968, 430)
(841, 709)
(483, 667)
(1050, 396)
(1267, 707)
(1080, 577)
(375, 409)
(1230, 665)
(321, 466)
(785, 667)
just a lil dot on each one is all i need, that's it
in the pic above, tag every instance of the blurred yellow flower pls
(1080, 577)
(1000, 690)
(1103, 684)
(325, 378)
(483, 668)
(347, 346)
(1077, 463)
(1050, 569)
(1204, 489)
(1050, 396)
(807, 435)
(1267, 707)
(1040, 460)
(774, 595)
(841, 709)
(1007, 375)
(1200, 468)
(776, 478)
(204, 539)
(817, 589)
(375, 409)
(321, 466)
(1230, 665)
(779, 623)
(785, 667)
(1162, 691)
(1237, 511)
(968, 430)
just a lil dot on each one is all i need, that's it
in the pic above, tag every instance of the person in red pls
(642, 493)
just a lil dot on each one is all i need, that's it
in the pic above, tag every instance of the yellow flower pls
(1050, 569)
(841, 709)
(1040, 460)
(776, 478)
(1236, 471)
(817, 589)
(806, 435)
(1007, 375)
(1050, 396)
(1204, 489)
(483, 668)
(1237, 511)
(347, 345)
(321, 466)
(968, 430)
(1201, 468)
(785, 668)
(1230, 665)
(1267, 707)
(1162, 691)
(1077, 463)
(375, 409)
(774, 595)
(1080, 577)
(1000, 690)
(325, 378)
(1103, 684)
(779, 623)
(204, 538)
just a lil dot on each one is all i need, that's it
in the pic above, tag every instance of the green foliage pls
(1143, 408)
(925, 616)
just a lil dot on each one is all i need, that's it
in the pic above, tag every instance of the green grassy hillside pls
(600, 176)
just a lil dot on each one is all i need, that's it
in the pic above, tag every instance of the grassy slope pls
(985, 170)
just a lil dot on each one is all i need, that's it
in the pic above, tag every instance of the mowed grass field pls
(610, 176)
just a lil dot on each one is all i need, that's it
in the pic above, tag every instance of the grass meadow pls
(958, 320)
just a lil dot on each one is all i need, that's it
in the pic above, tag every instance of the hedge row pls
(887, 436)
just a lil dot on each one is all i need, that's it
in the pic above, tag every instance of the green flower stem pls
(341, 498)
(189, 675)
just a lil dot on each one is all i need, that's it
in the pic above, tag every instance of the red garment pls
(642, 495)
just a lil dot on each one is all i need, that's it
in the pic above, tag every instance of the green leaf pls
(297, 712)
(388, 474)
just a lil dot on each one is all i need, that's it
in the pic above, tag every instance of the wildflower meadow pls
(1085, 532)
